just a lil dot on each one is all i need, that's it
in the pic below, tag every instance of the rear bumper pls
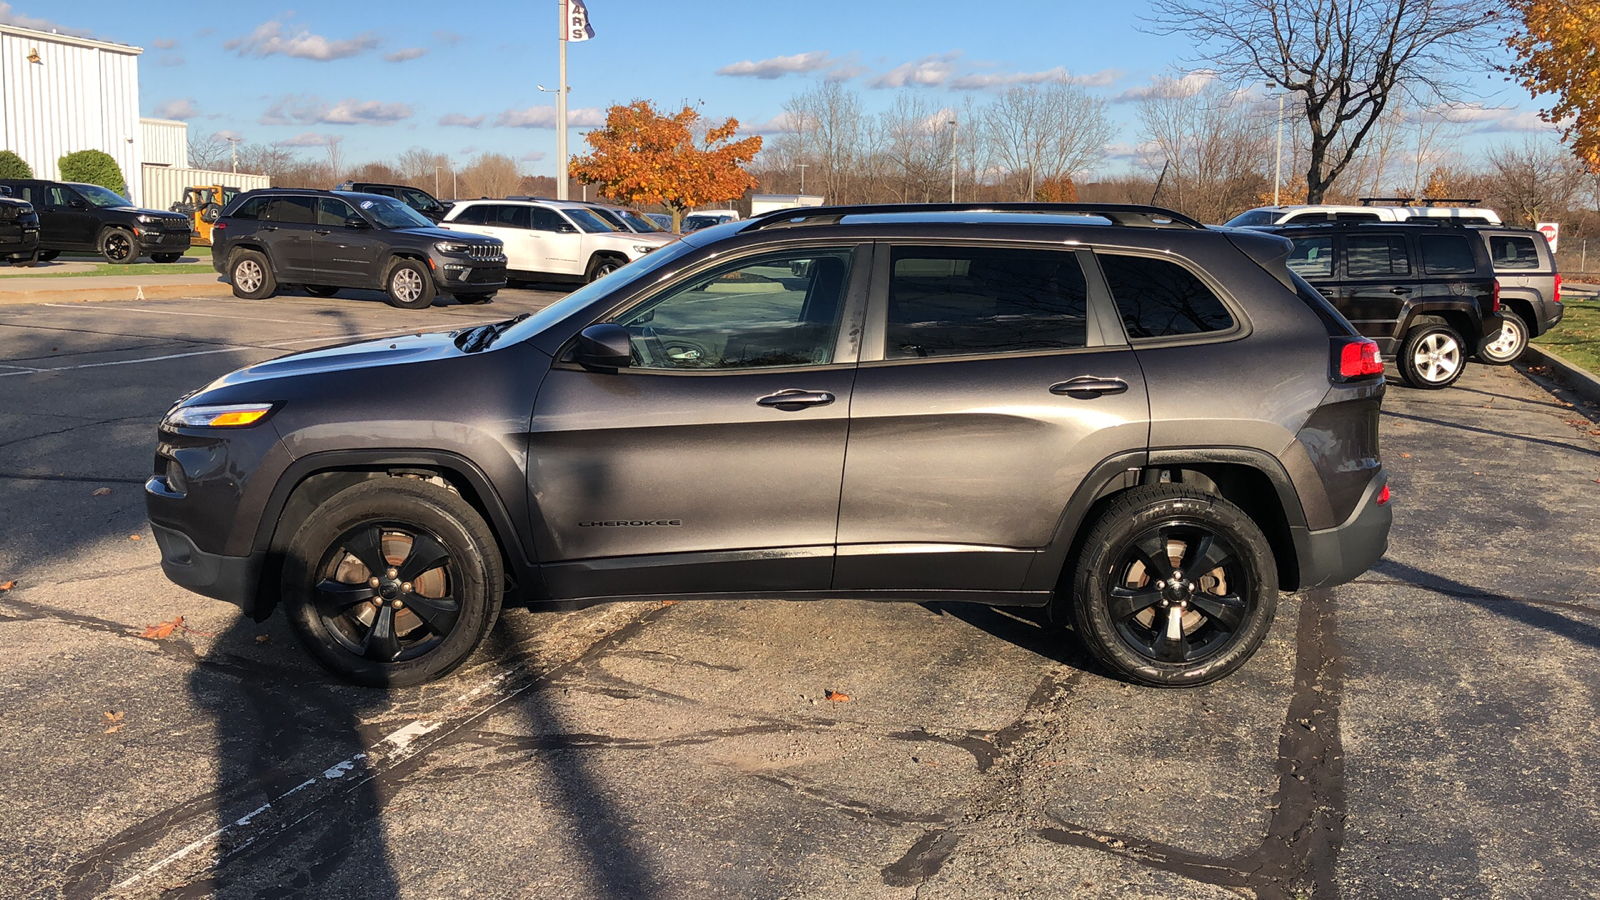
(233, 579)
(1340, 554)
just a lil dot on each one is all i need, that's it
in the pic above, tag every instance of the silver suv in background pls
(1318, 213)
(552, 240)
(1530, 290)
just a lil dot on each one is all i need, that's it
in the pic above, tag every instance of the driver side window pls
(767, 312)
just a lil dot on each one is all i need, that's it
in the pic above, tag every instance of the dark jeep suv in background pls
(1143, 425)
(420, 200)
(328, 240)
(1426, 293)
(19, 230)
(87, 217)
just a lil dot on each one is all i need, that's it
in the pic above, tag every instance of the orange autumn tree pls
(644, 156)
(1558, 49)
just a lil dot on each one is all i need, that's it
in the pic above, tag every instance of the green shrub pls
(14, 166)
(93, 167)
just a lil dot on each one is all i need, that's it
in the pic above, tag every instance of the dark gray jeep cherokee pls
(1147, 426)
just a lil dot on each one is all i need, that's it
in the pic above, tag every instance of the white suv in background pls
(549, 240)
(1310, 214)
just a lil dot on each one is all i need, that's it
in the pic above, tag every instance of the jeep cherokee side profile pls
(1143, 425)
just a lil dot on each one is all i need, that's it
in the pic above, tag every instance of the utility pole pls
(1277, 162)
(952, 124)
(436, 181)
(802, 167)
(234, 151)
(561, 110)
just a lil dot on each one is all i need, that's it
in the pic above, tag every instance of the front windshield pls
(639, 223)
(1253, 217)
(588, 221)
(642, 267)
(101, 197)
(387, 212)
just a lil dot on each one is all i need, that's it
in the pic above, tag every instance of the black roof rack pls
(1126, 214)
(1423, 201)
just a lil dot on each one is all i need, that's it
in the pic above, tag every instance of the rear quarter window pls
(250, 209)
(1158, 298)
(1312, 257)
(1376, 254)
(1513, 252)
(1447, 254)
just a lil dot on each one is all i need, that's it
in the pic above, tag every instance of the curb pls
(77, 294)
(1580, 381)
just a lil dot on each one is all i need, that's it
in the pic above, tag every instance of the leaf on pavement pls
(837, 696)
(113, 722)
(7, 585)
(102, 492)
(263, 638)
(164, 630)
(135, 537)
(1405, 456)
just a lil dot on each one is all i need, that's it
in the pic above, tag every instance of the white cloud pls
(315, 111)
(1186, 85)
(929, 71)
(992, 80)
(405, 54)
(782, 123)
(532, 156)
(446, 37)
(271, 38)
(1488, 119)
(164, 43)
(545, 117)
(779, 66)
(461, 120)
(310, 139)
(227, 135)
(1130, 151)
(9, 16)
(184, 108)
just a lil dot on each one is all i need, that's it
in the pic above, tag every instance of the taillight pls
(1558, 287)
(219, 226)
(1496, 307)
(1357, 358)
(1383, 496)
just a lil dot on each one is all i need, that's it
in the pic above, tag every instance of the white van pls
(1307, 214)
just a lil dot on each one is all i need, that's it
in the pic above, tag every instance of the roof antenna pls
(1157, 192)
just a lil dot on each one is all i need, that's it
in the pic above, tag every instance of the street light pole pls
(436, 181)
(234, 151)
(1277, 162)
(802, 167)
(561, 108)
(952, 124)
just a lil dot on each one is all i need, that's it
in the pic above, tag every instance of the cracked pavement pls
(1427, 731)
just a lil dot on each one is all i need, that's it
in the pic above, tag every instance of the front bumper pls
(454, 273)
(1340, 554)
(230, 578)
(164, 241)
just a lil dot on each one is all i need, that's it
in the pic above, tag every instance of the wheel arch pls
(312, 480)
(1467, 322)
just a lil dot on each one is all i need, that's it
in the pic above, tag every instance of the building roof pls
(57, 38)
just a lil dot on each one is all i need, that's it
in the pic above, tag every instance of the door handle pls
(1089, 386)
(269, 228)
(793, 399)
(323, 231)
(1400, 290)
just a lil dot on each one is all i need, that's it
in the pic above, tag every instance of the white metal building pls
(60, 94)
(165, 142)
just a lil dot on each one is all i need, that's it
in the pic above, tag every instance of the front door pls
(986, 394)
(712, 464)
(66, 220)
(559, 243)
(346, 255)
(288, 232)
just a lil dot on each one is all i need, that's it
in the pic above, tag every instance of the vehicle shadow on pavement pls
(1543, 614)
(1559, 445)
(1025, 627)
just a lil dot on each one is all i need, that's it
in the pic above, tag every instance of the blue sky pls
(462, 78)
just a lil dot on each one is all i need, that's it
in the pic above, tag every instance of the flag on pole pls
(575, 23)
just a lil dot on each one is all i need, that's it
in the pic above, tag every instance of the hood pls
(656, 240)
(409, 348)
(444, 234)
(158, 213)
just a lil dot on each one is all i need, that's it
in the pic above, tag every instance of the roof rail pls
(1424, 201)
(1126, 214)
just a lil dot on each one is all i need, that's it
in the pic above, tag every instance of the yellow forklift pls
(203, 205)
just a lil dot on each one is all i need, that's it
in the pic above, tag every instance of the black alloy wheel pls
(118, 246)
(385, 592)
(1174, 587)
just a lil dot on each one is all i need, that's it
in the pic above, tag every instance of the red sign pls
(1551, 232)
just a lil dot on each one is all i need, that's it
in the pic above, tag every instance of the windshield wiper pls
(475, 339)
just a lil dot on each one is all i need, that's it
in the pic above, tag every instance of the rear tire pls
(320, 290)
(439, 578)
(409, 285)
(1504, 348)
(251, 275)
(1432, 356)
(1173, 624)
(118, 246)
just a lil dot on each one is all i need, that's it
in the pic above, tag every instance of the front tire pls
(119, 247)
(1504, 348)
(251, 275)
(26, 262)
(601, 266)
(1432, 357)
(409, 285)
(393, 582)
(47, 255)
(1174, 587)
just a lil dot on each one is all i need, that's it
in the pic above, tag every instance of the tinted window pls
(1447, 254)
(1303, 218)
(1158, 298)
(250, 209)
(1312, 257)
(543, 218)
(1355, 217)
(290, 210)
(417, 199)
(472, 215)
(376, 189)
(959, 301)
(510, 217)
(1254, 217)
(1513, 252)
(333, 211)
(1377, 254)
(777, 310)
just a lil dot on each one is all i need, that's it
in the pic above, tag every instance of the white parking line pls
(165, 312)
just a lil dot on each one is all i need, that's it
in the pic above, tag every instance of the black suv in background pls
(19, 230)
(1147, 426)
(420, 200)
(1530, 289)
(1425, 293)
(328, 240)
(87, 217)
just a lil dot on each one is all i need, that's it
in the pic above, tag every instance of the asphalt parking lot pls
(1428, 731)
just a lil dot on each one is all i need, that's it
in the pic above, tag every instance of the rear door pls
(1381, 282)
(288, 231)
(986, 393)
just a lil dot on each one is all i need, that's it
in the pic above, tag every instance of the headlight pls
(454, 249)
(232, 416)
(150, 220)
(643, 248)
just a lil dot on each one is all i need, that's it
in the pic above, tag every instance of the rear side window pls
(1158, 298)
(1512, 252)
(1447, 254)
(1376, 254)
(1355, 217)
(1312, 257)
(960, 301)
(510, 217)
(290, 211)
(250, 209)
(472, 215)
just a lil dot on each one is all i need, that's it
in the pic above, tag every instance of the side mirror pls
(4, 191)
(76, 203)
(603, 346)
(564, 228)
(355, 222)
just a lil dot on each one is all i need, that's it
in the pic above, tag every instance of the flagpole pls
(561, 108)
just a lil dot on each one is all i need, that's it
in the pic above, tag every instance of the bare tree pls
(1052, 132)
(335, 147)
(426, 170)
(1347, 59)
(1532, 182)
(828, 125)
(489, 175)
(917, 138)
(1214, 144)
(208, 152)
